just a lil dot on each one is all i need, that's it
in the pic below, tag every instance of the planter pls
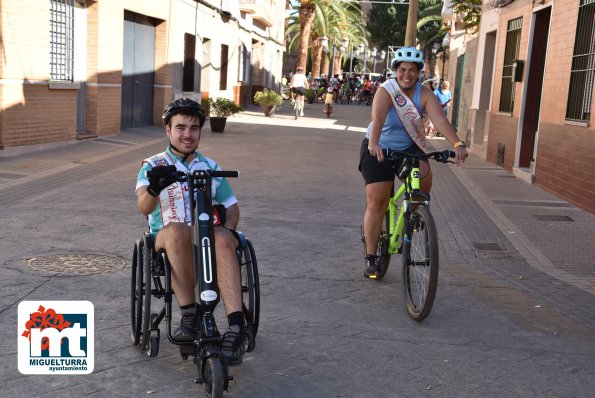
(217, 124)
(269, 110)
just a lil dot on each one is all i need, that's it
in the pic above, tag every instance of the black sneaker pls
(187, 330)
(372, 268)
(233, 347)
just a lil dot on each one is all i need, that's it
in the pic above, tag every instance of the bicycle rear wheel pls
(420, 263)
(382, 249)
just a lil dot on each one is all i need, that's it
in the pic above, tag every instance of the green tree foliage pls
(387, 24)
(470, 10)
(331, 18)
(429, 26)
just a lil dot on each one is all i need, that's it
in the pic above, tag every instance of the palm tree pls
(429, 27)
(307, 10)
(328, 18)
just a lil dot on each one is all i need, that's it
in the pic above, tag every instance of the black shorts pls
(374, 171)
(299, 90)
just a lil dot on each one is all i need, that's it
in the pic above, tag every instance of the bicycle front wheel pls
(420, 263)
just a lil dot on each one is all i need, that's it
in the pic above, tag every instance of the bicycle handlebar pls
(439, 156)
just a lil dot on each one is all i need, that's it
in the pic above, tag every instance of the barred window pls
(511, 52)
(582, 74)
(244, 63)
(224, 64)
(61, 40)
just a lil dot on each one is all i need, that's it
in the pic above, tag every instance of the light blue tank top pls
(394, 135)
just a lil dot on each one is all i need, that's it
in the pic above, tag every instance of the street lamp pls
(371, 54)
(378, 58)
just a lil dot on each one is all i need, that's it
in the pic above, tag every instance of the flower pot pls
(217, 124)
(269, 110)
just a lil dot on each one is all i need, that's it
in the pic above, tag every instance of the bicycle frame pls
(408, 188)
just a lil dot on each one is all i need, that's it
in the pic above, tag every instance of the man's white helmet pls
(408, 54)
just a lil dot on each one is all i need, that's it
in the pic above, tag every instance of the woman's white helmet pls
(408, 54)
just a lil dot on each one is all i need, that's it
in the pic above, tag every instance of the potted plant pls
(219, 110)
(310, 95)
(268, 101)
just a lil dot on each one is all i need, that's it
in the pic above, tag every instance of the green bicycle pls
(409, 229)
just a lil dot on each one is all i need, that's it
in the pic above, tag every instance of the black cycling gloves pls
(159, 178)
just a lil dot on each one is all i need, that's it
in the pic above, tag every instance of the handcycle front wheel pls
(214, 377)
(420, 263)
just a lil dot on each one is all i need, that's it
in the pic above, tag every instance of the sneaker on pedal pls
(233, 346)
(372, 267)
(187, 330)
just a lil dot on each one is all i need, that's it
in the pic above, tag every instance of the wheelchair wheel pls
(153, 347)
(250, 293)
(145, 279)
(136, 292)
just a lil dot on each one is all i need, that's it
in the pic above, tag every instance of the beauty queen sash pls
(171, 199)
(408, 115)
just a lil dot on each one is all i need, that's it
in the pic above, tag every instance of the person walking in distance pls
(444, 96)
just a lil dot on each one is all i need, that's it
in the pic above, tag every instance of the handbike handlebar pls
(439, 156)
(181, 176)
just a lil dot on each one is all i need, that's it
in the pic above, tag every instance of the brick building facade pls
(77, 68)
(532, 93)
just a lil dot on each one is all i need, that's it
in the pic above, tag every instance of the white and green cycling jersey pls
(174, 203)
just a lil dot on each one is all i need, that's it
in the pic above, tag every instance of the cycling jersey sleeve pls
(141, 179)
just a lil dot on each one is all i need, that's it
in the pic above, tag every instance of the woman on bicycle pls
(298, 85)
(391, 128)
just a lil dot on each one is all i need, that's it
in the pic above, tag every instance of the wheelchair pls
(151, 279)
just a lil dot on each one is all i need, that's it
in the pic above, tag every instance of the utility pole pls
(410, 33)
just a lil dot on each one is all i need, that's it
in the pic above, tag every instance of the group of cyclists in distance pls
(345, 88)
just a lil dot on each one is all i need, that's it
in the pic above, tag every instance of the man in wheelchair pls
(166, 203)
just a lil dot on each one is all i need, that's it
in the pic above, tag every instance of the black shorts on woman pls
(374, 171)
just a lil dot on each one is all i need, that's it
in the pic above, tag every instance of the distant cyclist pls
(298, 85)
(393, 127)
(329, 97)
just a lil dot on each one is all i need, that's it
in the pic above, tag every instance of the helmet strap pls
(184, 156)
